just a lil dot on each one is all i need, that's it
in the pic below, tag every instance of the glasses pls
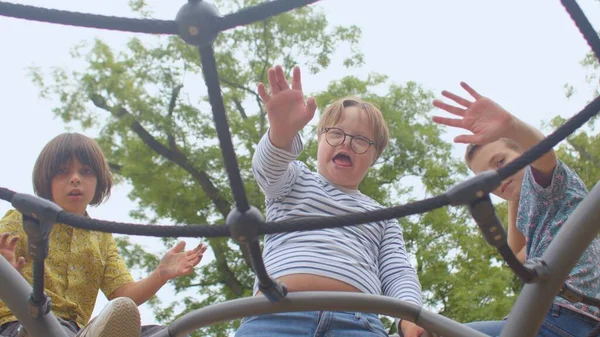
(336, 137)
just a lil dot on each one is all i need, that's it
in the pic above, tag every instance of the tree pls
(152, 126)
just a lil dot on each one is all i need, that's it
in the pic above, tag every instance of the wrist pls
(513, 128)
(160, 274)
(281, 139)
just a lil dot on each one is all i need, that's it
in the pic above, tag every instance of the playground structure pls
(199, 23)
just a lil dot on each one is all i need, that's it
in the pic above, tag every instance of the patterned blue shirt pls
(542, 212)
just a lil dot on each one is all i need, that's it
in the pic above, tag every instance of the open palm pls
(178, 262)
(287, 110)
(8, 248)
(487, 120)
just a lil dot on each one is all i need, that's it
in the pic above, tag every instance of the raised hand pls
(487, 120)
(178, 262)
(8, 248)
(287, 110)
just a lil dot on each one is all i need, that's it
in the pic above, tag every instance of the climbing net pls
(199, 23)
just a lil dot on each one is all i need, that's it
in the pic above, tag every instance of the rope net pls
(198, 23)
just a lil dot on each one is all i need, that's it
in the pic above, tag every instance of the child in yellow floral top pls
(72, 172)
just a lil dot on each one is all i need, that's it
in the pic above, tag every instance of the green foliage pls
(159, 137)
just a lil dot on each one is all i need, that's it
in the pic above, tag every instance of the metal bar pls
(561, 255)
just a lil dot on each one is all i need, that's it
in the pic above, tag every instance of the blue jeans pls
(559, 322)
(312, 324)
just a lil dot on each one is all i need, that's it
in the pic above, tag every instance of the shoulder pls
(12, 221)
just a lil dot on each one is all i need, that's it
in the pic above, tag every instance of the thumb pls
(311, 105)
(20, 263)
(178, 248)
(469, 139)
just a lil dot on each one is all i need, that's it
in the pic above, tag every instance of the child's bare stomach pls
(308, 282)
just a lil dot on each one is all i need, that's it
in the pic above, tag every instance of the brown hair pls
(61, 150)
(472, 148)
(333, 114)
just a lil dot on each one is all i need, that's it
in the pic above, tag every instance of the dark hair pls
(61, 150)
(472, 148)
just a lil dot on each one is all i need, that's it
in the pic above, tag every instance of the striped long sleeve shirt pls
(371, 257)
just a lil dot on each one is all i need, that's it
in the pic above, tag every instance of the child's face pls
(493, 156)
(74, 187)
(340, 164)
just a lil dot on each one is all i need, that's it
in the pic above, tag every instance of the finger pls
(273, 85)
(281, 80)
(179, 247)
(311, 105)
(470, 139)
(449, 108)
(4, 239)
(12, 244)
(262, 93)
(296, 79)
(470, 90)
(462, 101)
(454, 122)
(20, 263)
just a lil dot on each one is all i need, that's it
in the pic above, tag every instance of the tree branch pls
(201, 177)
(584, 153)
(172, 104)
(239, 107)
(115, 168)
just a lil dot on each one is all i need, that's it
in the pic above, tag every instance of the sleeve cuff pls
(291, 153)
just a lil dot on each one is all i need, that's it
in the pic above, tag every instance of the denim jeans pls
(559, 322)
(312, 324)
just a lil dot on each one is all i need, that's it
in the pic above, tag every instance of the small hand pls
(8, 247)
(410, 329)
(178, 262)
(487, 120)
(287, 110)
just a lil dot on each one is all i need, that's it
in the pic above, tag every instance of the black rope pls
(312, 223)
(585, 27)
(148, 26)
(259, 12)
(211, 78)
(191, 231)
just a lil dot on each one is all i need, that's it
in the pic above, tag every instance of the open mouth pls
(342, 159)
(75, 193)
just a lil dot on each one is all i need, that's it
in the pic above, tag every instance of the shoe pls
(119, 318)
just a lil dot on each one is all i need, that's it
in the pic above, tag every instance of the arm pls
(142, 290)
(527, 136)
(272, 166)
(398, 277)
(516, 240)
(174, 264)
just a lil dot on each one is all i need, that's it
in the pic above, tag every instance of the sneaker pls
(119, 318)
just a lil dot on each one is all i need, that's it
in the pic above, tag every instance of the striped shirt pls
(371, 257)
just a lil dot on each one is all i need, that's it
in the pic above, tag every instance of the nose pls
(75, 179)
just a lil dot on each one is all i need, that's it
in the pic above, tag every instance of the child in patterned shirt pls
(541, 197)
(72, 172)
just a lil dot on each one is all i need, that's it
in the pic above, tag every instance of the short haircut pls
(60, 151)
(333, 114)
(472, 148)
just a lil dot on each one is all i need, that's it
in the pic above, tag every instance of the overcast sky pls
(519, 53)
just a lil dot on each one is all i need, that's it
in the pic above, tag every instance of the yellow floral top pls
(79, 263)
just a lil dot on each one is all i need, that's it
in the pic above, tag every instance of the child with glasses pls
(369, 258)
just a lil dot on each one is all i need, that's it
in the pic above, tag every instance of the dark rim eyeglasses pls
(336, 137)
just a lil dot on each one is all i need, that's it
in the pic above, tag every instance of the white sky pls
(520, 53)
